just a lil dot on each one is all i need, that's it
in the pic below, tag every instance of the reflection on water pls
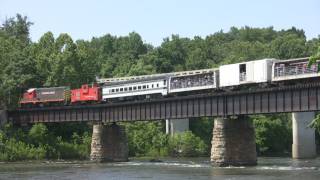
(196, 168)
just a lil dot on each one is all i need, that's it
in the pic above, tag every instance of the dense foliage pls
(57, 61)
(149, 139)
(39, 142)
(268, 129)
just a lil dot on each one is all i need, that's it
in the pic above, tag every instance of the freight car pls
(251, 72)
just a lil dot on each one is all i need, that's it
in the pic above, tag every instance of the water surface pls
(178, 169)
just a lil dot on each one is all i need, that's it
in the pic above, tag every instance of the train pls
(264, 72)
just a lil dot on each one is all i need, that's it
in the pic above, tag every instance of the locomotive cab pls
(30, 94)
(29, 97)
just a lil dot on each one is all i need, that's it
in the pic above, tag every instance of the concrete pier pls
(304, 145)
(176, 126)
(109, 143)
(233, 142)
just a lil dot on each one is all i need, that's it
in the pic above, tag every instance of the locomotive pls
(258, 72)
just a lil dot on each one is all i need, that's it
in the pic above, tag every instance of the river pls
(177, 169)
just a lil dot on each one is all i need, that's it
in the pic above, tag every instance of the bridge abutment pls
(304, 145)
(233, 142)
(109, 143)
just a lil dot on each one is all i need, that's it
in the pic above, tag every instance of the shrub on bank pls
(148, 139)
(39, 143)
(14, 150)
(187, 145)
(79, 148)
(145, 138)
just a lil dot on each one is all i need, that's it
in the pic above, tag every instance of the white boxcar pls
(258, 71)
(135, 88)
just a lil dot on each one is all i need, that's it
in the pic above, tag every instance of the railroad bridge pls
(233, 141)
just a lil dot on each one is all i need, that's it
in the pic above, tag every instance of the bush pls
(186, 144)
(144, 137)
(18, 150)
(79, 148)
(38, 134)
(38, 143)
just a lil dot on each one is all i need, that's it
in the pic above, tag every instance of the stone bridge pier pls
(233, 142)
(109, 143)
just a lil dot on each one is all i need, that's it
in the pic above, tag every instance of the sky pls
(158, 19)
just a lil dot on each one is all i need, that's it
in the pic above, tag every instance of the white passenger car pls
(138, 87)
(193, 80)
(259, 71)
(294, 69)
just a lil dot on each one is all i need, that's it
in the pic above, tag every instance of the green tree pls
(288, 46)
(17, 28)
(268, 129)
(143, 137)
(17, 70)
(144, 65)
(172, 54)
(39, 134)
(315, 57)
(43, 53)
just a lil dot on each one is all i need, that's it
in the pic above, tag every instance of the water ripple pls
(286, 168)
